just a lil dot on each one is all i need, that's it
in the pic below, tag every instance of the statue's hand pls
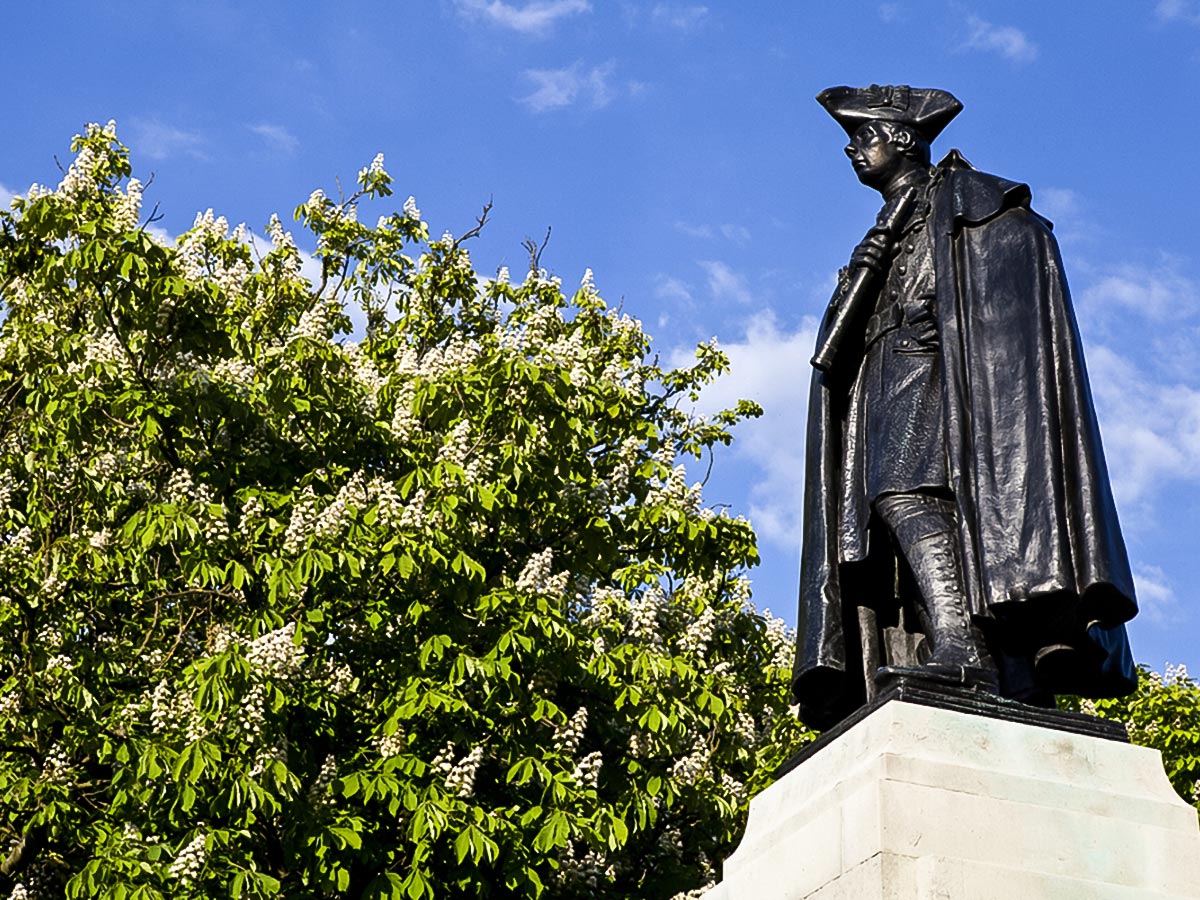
(872, 252)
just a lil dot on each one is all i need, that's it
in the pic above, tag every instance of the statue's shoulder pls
(967, 196)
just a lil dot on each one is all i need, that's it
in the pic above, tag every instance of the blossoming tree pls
(429, 613)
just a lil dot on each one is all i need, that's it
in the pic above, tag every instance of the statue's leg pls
(926, 534)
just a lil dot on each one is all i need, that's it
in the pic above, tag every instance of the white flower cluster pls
(188, 864)
(301, 523)
(458, 355)
(366, 374)
(698, 633)
(589, 869)
(404, 423)
(1175, 674)
(8, 488)
(618, 483)
(276, 753)
(333, 519)
(537, 576)
(316, 322)
(339, 678)
(56, 764)
(220, 638)
(782, 641)
(19, 893)
(391, 744)
(587, 771)
(410, 209)
(80, 179)
(276, 654)
(182, 490)
(733, 788)
(540, 278)
(692, 767)
(10, 703)
(235, 372)
(170, 710)
(253, 509)
(459, 778)
(457, 450)
(251, 714)
(198, 261)
(568, 737)
(695, 894)
(644, 616)
(128, 206)
(641, 745)
(603, 606)
(375, 169)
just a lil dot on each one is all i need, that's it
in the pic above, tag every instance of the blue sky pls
(675, 148)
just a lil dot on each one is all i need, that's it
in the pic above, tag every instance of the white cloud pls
(738, 234)
(889, 13)
(1176, 10)
(724, 283)
(1009, 42)
(6, 196)
(277, 137)
(535, 17)
(1057, 203)
(678, 15)
(1156, 598)
(669, 288)
(158, 140)
(1151, 429)
(1158, 293)
(769, 365)
(559, 88)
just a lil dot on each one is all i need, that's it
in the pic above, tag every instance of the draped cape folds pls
(1037, 524)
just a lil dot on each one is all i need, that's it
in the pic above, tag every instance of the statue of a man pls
(959, 525)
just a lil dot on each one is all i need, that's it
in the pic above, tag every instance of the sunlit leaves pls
(425, 610)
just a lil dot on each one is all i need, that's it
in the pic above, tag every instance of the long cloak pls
(1038, 527)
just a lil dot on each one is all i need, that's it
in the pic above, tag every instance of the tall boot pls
(925, 531)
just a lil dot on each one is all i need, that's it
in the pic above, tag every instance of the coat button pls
(904, 342)
(893, 293)
(902, 269)
(909, 247)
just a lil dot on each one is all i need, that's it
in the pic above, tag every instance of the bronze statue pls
(959, 525)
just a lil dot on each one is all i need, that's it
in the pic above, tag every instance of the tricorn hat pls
(927, 110)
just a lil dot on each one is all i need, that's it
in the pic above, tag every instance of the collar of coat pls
(975, 197)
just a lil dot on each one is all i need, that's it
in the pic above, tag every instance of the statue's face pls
(874, 156)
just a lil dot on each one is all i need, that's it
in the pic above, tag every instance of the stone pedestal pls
(917, 802)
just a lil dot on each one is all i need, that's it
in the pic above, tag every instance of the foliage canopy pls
(430, 613)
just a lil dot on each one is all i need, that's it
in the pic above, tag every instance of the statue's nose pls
(849, 150)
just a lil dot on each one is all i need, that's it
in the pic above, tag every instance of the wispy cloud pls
(158, 140)
(889, 13)
(668, 287)
(738, 234)
(1177, 10)
(770, 365)
(6, 196)
(1151, 429)
(536, 17)
(559, 88)
(1009, 42)
(724, 283)
(1158, 293)
(678, 15)
(1156, 597)
(277, 137)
